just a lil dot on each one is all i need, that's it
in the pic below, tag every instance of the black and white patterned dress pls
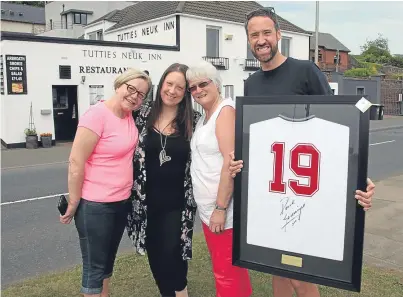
(137, 218)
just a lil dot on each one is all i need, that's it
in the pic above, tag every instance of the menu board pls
(16, 70)
(96, 94)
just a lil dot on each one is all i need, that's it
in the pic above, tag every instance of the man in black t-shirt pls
(280, 75)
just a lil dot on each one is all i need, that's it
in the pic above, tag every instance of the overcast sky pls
(351, 22)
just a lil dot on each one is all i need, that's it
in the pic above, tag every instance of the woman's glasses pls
(132, 90)
(200, 85)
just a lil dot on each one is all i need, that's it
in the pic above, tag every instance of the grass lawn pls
(132, 277)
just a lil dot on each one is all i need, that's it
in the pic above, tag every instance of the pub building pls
(63, 77)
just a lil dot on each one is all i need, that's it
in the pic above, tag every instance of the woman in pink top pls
(101, 177)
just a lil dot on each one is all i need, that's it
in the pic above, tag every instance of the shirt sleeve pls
(93, 119)
(318, 84)
(245, 88)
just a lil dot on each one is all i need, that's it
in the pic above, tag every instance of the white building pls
(68, 18)
(63, 76)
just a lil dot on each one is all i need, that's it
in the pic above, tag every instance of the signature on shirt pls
(291, 212)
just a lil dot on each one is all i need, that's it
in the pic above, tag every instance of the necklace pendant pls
(163, 157)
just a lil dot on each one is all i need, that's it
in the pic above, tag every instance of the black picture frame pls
(345, 274)
(16, 70)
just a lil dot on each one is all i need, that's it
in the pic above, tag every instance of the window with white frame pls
(285, 46)
(212, 42)
(229, 91)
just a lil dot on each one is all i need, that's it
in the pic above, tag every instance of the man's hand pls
(234, 166)
(217, 221)
(68, 216)
(365, 198)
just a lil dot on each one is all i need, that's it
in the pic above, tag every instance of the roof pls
(234, 11)
(113, 16)
(30, 14)
(76, 11)
(328, 41)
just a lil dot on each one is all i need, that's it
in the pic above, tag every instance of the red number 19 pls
(311, 171)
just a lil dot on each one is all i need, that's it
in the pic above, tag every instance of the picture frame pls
(295, 212)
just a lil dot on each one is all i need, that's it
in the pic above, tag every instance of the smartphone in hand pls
(62, 205)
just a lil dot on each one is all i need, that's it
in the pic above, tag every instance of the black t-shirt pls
(293, 77)
(165, 184)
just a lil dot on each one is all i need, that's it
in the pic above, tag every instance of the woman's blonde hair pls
(130, 74)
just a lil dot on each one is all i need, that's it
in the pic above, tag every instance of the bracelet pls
(219, 207)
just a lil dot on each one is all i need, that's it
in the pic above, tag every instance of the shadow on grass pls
(132, 277)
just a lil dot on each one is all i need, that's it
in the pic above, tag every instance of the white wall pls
(161, 32)
(43, 72)
(299, 45)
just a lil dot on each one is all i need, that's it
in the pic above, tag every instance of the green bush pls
(360, 72)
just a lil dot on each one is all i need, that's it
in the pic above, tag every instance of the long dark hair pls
(183, 121)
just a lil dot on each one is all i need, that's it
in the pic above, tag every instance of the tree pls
(31, 3)
(376, 51)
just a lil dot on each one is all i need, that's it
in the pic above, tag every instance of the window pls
(80, 19)
(212, 42)
(64, 72)
(83, 19)
(249, 54)
(229, 91)
(60, 98)
(100, 35)
(360, 91)
(285, 46)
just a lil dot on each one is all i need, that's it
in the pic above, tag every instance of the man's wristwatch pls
(220, 208)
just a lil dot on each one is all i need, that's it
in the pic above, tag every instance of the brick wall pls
(390, 90)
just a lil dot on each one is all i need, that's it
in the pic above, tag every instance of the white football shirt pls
(297, 186)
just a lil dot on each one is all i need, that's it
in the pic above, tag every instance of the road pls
(33, 242)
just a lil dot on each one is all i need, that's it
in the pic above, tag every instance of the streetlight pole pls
(317, 34)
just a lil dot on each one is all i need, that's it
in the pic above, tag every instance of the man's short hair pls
(263, 12)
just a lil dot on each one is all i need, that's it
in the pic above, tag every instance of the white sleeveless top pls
(206, 165)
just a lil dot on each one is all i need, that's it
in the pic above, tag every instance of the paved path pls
(383, 244)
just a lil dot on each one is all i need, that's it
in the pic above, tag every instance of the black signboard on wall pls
(16, 69)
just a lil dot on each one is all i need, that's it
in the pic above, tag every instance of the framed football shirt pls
(295, 214)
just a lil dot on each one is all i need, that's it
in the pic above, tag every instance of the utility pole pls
(317, 34)
(337, 60)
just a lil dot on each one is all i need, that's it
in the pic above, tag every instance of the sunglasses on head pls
(200, 85)
(132, 90)
(270, 10)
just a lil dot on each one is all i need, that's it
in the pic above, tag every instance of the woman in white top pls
(211, 144)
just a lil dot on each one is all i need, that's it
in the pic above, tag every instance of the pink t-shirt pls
(108, 173)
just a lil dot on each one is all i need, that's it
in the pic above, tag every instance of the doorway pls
(65, 112)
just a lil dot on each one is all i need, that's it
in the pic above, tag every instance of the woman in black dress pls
(162, 217)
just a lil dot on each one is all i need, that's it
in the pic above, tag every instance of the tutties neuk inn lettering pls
(100, 54)
(146, 31)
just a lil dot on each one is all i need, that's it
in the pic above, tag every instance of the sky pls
(351, 22)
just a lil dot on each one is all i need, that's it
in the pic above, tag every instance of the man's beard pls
(272, 54)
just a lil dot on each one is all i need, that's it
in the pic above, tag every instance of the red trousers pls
(230, 280)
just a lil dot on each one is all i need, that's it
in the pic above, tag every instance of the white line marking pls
(32, 199)
(389, 141)
(34, 165)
